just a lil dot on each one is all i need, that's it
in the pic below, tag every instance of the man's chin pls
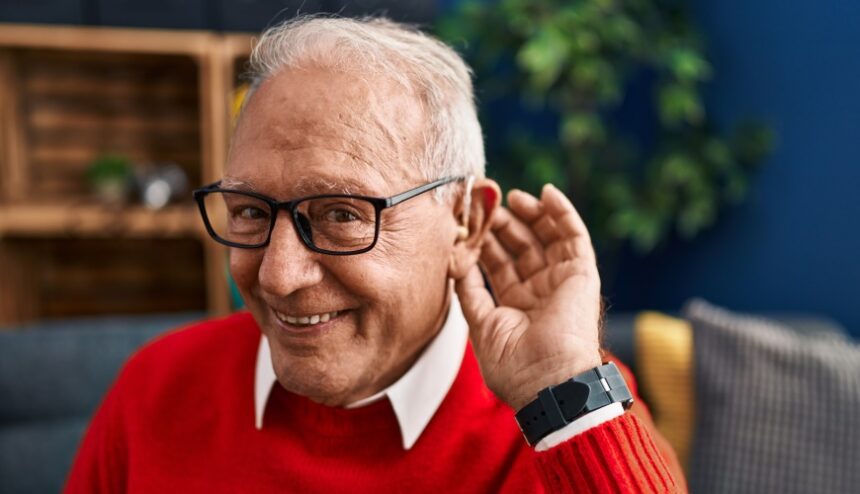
(314, 374)
(325, 390)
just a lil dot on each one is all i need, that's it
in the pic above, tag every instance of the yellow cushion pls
(664, 361)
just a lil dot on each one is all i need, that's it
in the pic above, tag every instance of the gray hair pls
(453, 144)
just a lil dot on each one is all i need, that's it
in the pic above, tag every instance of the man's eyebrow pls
(322, 185)
(235, 183)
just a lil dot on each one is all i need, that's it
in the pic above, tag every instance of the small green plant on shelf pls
(574, 63)
(110, 178)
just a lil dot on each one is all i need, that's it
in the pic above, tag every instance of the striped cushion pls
(778, 411)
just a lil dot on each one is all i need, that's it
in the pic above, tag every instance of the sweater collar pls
(415, 397)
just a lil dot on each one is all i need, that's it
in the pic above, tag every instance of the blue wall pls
(794, 245)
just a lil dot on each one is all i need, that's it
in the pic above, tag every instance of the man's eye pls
(251, 213)
(340, 216)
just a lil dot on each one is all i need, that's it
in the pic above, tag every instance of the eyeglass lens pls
(338, 224)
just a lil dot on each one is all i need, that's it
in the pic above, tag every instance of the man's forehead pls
(308, 132)
(323, 101)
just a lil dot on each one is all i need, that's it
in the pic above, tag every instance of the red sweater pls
(180, 418)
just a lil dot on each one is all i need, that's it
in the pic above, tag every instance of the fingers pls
(531, 211)
(531, 233)
(513, 233)
(556, 223)
(546, 230)
(561, 210)
(500, 266)
(576, 241)
(551, 217)
(518, 240)
(526, 206)
(475, 300)
(504, 279)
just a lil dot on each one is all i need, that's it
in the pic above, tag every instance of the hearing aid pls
(463, 229)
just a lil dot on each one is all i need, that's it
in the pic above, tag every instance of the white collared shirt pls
(417, 395)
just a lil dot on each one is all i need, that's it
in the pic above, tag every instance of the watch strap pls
(556, 406)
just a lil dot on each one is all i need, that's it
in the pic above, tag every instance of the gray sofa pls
(52, 378)
(53, 375)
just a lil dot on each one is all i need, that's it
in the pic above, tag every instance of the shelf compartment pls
(77, 106)
(63, 277)
(71, 94)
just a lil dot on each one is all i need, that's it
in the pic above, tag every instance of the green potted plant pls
(110, 176)
(573, 64)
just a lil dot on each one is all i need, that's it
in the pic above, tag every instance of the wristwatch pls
(556, 406)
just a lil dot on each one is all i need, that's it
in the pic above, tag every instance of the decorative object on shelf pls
(110, 178)
(638, 168)
(160, 183)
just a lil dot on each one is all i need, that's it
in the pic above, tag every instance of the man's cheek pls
(244, 266)
(394, 250)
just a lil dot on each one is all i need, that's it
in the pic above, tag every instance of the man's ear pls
(474, 215)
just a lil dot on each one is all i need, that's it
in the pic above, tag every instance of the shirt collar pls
(415, 397)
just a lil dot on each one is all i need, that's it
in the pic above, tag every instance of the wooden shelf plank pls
(94, 220)
(129, 40)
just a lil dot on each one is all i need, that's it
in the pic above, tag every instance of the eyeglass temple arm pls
(409, 194)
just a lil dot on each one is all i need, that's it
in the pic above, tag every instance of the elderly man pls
(372, 358)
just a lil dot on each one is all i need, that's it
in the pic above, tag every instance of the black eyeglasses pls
(336, 224)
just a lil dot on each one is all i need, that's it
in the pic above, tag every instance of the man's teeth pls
(306, 320)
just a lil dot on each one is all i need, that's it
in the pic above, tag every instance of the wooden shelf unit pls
(70, 94)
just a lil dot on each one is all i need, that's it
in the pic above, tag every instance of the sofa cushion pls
(62, 368)
(35, 457)
(777, 408)
(52, 377)
(664, 351)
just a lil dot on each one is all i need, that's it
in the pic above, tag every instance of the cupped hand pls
(541, 266)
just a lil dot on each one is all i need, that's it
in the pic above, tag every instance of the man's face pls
(307, 132)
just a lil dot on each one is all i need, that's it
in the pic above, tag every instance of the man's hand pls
(542, 269)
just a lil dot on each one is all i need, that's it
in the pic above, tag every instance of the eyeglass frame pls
(379, 204)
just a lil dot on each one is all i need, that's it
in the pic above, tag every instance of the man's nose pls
(288, 265)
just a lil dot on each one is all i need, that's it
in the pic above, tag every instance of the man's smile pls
(311, 320)
(305, 320)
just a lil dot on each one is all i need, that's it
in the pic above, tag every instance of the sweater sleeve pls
(100, 464)
(625, 454)
(616, 456)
